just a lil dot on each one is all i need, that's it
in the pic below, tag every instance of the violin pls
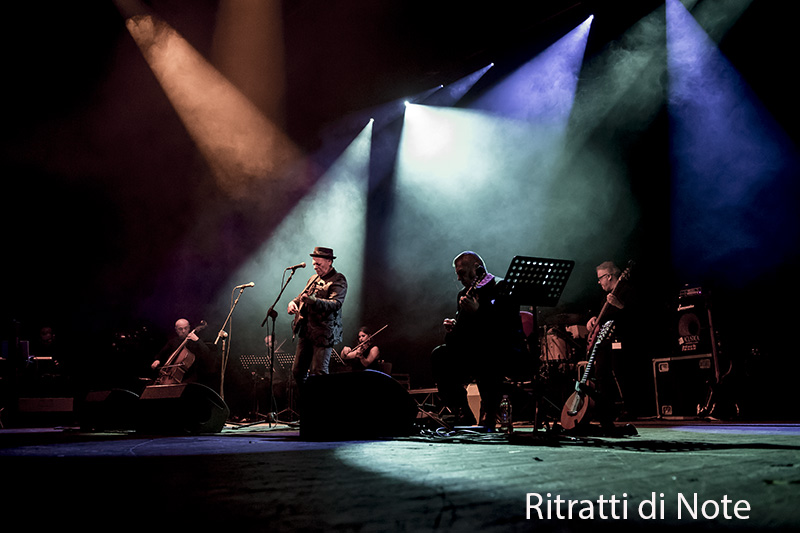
(360, 347)
(361, 351)
(179, 362)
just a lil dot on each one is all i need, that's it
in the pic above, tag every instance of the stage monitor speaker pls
(355, 406)
(44, 412)
(182, 409)
(113, 409)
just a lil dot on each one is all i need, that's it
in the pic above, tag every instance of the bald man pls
(183, 330)
(482, 343)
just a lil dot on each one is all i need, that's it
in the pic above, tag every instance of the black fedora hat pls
(325, 253)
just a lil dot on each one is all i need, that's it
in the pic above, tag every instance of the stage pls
(264, 477)
(169, 160)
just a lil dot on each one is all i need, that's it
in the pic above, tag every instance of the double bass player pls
(186, 339)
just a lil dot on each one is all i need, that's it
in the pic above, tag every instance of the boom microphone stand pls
(272, 314)
(223, 335)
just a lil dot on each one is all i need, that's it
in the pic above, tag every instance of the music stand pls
(537, 282)
(257, 365)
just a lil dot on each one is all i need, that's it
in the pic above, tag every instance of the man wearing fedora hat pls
(318, 316)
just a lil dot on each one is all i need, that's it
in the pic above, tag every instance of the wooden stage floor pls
(742, 476)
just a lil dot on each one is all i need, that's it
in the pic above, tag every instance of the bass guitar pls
(580, 402)
(179, 362)
(592, 336)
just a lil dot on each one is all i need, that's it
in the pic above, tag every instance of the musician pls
(198, 348)
(318, 316)
(608, 277)
(361, 356)
(611, 358)
(481, 343)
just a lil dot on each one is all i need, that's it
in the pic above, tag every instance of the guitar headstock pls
(605, 332)
(626, 274)
(480, 273)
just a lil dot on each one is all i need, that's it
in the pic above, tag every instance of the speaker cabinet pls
(185, 408)
(355, 406)
(113, 409)
(682, 384)
(44, 412)
(695, 334)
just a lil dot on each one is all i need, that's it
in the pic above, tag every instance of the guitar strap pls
(311, 283)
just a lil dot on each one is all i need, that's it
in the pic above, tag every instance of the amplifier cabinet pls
(682, 384)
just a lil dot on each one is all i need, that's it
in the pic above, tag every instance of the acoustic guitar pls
(300, 317)
(580, 402)
(480, 273)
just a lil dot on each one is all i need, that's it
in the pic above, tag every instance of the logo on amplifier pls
(688, 343)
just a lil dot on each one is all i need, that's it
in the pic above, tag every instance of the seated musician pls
(482, 343)
(362, 355)
(194, 345)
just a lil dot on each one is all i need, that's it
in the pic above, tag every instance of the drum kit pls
(562, 347)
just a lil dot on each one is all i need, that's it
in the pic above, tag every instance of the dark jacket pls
(323, 312)
(494, 329)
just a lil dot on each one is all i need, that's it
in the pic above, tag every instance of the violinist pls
(481, 342)
(194, 345)
(361, 356)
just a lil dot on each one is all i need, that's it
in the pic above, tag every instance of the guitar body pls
(300, 317)
(576, 410)
(299, 320)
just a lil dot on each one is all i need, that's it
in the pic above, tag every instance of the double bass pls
(179, 362)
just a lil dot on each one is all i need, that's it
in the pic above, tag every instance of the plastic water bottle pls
(506, 422)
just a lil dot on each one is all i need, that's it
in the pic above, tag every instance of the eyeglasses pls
(600, 278)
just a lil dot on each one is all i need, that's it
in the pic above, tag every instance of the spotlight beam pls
(241, 146)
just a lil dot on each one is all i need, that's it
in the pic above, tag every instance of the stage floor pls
(265, 478)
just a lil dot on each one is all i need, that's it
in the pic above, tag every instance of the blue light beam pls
(542, 90)
(734, 192)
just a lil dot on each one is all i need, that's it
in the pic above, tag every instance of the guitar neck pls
(604, 311)
(604, 331)
(588, 369)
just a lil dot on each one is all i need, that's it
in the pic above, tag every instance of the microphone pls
(251, 284)
(295, 267)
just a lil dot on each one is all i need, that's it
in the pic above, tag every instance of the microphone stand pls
(223, 335)
(271, 313)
